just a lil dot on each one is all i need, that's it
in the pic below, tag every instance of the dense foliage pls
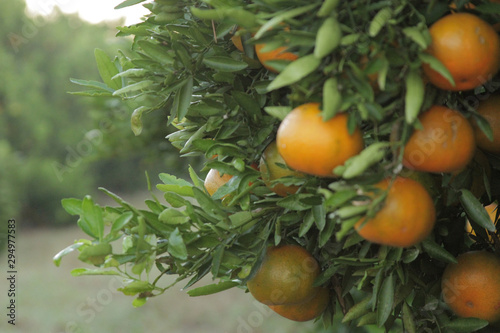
(226, 107)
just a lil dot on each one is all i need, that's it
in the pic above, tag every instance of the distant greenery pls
(50, 148)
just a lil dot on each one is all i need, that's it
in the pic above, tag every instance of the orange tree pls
(372, 68)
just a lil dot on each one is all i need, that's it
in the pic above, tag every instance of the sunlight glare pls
(94, 11)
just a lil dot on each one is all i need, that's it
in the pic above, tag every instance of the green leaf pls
(72, 206)
(359, 309)
(488, 8)
(176, 185)
(95, 254)
(248, 103)
(91, 93)
(156, 52)
(136, 121)
(138, 86)
(326, 233)
(379, 21)
(438, 252)
(132, 72)
(327, 7)
(224, 64)
(328, 37)
(93, 84)
(306, 224)
(332, 99)
(128, 3)
(182, 99)
(280, 17)
(58, 257)
(136, 287)
(212, 288)
(466, 325)
(86, 271)
(414, 97)
(326, 275)
(176, 246)
(339, 198)
(484, 126)
(358, 164)
(91, 221)
(408, 321)
(293, 202)
(475, 210)
(175, 200)
(107, 69)
(138, 302)
(121, 221)
(415, 34)
(385, 300)
(197, 181)
(237, 15)
(295, 71)
(278, 112)
(319, 215)
(173, 216)
(438, 66)
(217, 259)
(345, 227)
(368, 319)
(240, 218)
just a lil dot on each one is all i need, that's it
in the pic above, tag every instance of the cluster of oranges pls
(445, 141)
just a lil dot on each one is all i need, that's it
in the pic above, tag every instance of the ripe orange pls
(490, 110)
(471, 288)
(279, 53)
(214, 180)
(468, 47)
(271, 170)
(406, 217)
(286, 276)
(445, 143)
(311, 145)
(304, 311)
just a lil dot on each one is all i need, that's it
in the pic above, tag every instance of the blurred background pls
(55, 144)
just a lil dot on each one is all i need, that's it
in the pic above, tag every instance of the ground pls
(50, 300)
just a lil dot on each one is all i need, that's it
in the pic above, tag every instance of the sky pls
(94, 11)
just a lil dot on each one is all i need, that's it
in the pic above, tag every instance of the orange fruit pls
(271, 170)
(492, 212)
(471, 287)
(286, 276)
(279, 53)
(468, 47)
(406, 217)
(310, 145)
(445, 143)
(304, 311)
(214, 180)
(490, 110)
